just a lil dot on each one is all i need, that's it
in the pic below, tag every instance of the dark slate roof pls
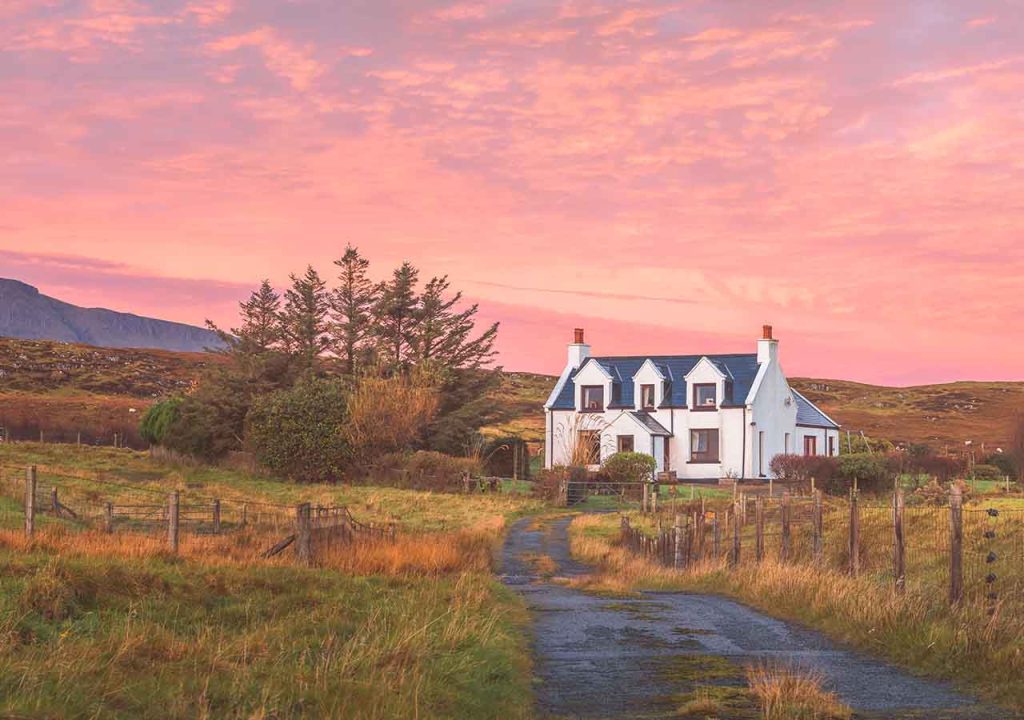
(808, 414)
(740, 370)
(652, 425)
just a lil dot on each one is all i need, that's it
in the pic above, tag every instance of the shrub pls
(936, 493)
(1006, 464)
(941, 467)
(155, 423)
(799, 469)
(548, 482)
(387, 415)
(628, 467)
(423, 470)
(299, 432)
(870, 472)
(987, 472)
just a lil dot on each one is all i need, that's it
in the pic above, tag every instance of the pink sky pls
(667, 175)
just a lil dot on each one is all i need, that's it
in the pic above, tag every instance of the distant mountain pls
(28, 314)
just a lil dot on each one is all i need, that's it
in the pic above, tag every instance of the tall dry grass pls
(916, 629)
(444, 553)
(786, 693)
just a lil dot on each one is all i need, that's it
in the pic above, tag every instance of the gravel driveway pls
(601, 657)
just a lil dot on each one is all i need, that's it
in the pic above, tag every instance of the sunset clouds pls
(669, 175)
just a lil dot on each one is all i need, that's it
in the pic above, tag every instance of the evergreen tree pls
(444, 335)
(395, 314)
(304, 318)
(260, 331)
(351, 303)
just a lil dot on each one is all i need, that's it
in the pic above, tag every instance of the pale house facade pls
(702, 417)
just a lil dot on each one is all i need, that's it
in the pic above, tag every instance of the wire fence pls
(970, 554)
(38, 501)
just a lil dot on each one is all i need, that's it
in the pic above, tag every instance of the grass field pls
(98, 625)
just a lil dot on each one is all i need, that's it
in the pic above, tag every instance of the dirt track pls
(600, 657)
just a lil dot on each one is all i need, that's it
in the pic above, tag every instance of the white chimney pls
(767, 347)
(579, 350)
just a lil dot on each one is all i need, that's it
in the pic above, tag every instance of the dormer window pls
(647, 397)
(593, 398)
(705, 396)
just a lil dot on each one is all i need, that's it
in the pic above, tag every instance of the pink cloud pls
(671, 177)
(295, 64)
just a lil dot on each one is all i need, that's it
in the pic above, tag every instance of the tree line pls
(325, 378)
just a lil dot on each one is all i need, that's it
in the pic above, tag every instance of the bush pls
(942, 468)
(424, 470)
(872, 473)
(548, 482)
(155, 423)
(1006, 464)
(299, 432)
(799, 469)
(628, 467)
(987, 472)
(936, 493)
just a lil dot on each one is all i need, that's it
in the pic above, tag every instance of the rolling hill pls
(64, 388)
(28, 314)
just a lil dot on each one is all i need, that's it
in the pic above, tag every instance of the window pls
(593, 398)
(704, 446)
(831, 446)
(705, 396)
(787, 448)
(588, 448)
(810, 445)
(647, 397)
(625, 443)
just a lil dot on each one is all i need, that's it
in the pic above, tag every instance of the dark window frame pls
(583, 398)
(713, 455)
(644, 388)
(697, 387)
(810, 445)
(619, 444)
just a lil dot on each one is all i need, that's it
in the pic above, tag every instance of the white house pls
(702, 416)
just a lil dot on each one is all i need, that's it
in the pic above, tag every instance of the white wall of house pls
(772, 412)
(750, 435)
(821, 436)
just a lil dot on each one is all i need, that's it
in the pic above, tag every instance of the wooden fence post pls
(785, 552)
(216, 516)
(245, 513)
(759, 528)
(303, 533)
(677, 537)
(716, 537)
(698, 544)
(899, 572)
(735, 539)
(108, 517)
(54, 503)
(854, 542)
(30, 501)
(654, 498)
(643, 499)
(818, 525)
(173, 508)
(956, 546)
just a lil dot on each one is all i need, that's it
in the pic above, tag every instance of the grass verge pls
(916, 630)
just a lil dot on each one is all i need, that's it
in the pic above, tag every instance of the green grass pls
(160, 638)
(412, 510)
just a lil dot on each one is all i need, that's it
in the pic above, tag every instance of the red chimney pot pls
(578, 336)
(767, 330)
